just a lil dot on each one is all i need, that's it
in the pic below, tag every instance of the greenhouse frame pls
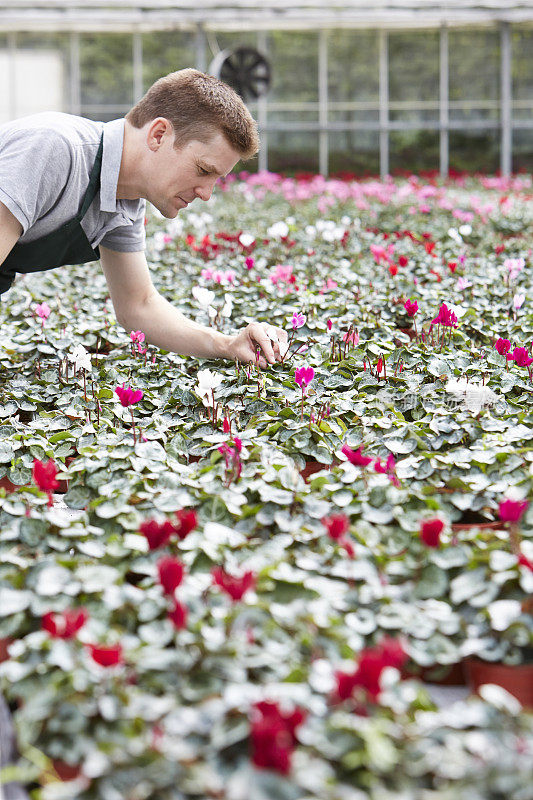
(356, 86)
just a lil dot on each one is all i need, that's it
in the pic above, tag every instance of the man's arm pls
(139, 306)
(10, 232)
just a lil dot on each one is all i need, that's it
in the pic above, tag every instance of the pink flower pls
(518, 301)
(43, 311)
(387, 469)
(137, 336)
(171, 572)
(503, 346)
(445, 317)
(512, 510)
(303, 376)
(411, 307)
(430, 531)
(356, 457)
(282, 272)
(235, 587)
(520, 356)
(298, 320)
(352, 337)
(525, 562)
(128, 396)
(329, 324)
(249, 263)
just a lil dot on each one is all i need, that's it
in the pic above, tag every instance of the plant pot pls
(66, 772)
(313, 466)
(4, 644)
(444, 675)
(517, 679)
(467, 526)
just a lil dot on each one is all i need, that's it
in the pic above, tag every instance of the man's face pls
(179, 176)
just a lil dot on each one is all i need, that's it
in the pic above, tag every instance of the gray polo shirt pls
(45, 161)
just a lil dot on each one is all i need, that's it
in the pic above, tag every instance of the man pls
(73, 190)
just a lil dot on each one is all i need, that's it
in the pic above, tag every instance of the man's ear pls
(157, 130)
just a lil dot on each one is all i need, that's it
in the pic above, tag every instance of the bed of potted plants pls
(257, 570)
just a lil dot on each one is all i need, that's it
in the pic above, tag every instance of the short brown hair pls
(198, 106)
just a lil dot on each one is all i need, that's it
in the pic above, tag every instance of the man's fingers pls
(260, 336)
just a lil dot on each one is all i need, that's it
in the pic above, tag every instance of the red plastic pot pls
(313, 466)
(4, 644)
(517, 679)
(484, 526)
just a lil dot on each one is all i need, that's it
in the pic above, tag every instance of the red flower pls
(235, 586)
(411, 306)
(445, 317)
(106, 656)
(337, 526)
(44, 475)
(512, 510)
(403, 261)
(503, 346)
(393, 269)
(187, 522)
(372, 661)
(65, 624)
(452, 266)
(525, 562)
(273, 736)
(226, 426)
(157, 533)
(128, 396)
(355, 457)
(430, 531)
(178, 615)
(171, 572)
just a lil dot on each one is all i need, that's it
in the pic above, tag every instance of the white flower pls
(465, 230)
(280, 229)
(473, 395)
(454, 234)
(227, 308)
(246, 239)
(208, 381)
(518, 301)
(80, 357)
(204, 297)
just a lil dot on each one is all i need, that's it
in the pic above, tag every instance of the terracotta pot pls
(517, 679)
(485, 526)
(313, 466)
(4, 644)
(66, 772)
(452, 675)
(6, 484)
(409, 331)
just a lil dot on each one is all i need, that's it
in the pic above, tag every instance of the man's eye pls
(203, 171)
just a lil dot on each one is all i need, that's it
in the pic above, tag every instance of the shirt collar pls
(111, 158)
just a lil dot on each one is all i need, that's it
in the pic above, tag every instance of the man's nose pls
(204, 191)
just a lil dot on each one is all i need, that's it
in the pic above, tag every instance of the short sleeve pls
(34, 169)
(128, 238)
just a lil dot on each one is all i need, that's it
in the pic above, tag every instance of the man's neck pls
(129, 184)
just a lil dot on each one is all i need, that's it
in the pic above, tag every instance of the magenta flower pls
(137, 336)
(298, 320)
(303, 376)
(445, 317)
(520, 356)
(355, 457)
(503, 346)
(128, 396)
(389, 469)
(512, 510)
(411, 306)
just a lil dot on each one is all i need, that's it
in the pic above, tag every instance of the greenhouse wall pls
(342, 101)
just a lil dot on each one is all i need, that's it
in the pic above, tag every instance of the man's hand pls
(260, 338)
